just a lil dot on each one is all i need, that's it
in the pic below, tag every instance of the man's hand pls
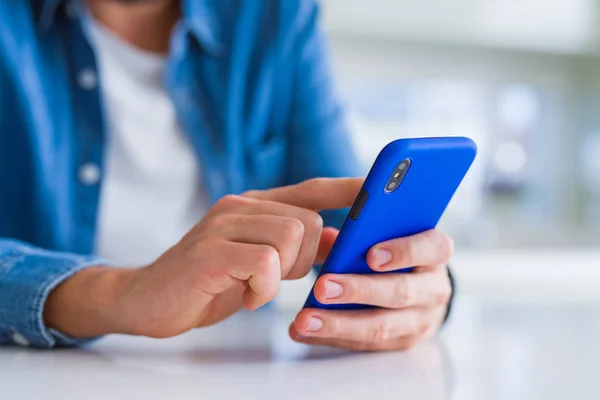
(235, 257)
(411, 306)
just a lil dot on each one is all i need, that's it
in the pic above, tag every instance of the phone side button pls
(359, 203)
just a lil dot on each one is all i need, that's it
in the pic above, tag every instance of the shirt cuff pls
(29, 276)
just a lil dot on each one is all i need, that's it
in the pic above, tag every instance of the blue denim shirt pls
(251, 86)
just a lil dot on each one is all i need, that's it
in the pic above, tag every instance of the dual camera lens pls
(397, 176)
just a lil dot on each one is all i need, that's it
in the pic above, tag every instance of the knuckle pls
(219, 220)
(267, 257)
(446, 246)
(293, 229)
(228, 201)
(334, 328)
(200, 246)
(251, 193)
(313, 222)
(444, 296)
(197, 246)
(410, 252)
(361, 290)
(317, 221)
(382, 331)
(404, 291)
(405, 255)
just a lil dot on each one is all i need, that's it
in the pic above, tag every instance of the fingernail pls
(333, 290)
(314, 324)
(381, 257)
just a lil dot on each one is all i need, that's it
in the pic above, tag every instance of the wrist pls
(90, 303)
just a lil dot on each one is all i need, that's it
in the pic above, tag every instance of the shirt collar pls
(45, 12)
(199, 16)
(203, 20)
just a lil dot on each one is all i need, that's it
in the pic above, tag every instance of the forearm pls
(28, 275)
(90, 303)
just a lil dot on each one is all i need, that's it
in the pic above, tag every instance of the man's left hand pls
(410, 306)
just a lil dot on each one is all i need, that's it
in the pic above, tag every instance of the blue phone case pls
(438, 166)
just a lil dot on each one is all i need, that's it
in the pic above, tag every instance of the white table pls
(502, 351)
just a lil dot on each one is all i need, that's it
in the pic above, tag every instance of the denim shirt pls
(252, 90)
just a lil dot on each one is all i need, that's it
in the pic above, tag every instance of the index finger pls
(315, 194)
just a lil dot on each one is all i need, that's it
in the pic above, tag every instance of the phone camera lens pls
(398, 176)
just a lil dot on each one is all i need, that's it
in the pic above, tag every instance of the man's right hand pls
(235, 257)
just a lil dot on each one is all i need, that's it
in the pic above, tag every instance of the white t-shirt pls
(152, 192)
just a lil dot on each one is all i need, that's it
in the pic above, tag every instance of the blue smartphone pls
(406, 192)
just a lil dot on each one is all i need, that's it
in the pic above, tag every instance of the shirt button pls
(87, 79)
(89, 174)
(20, 339)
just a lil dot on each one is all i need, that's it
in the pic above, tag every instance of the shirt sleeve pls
(27, 275)
(320, 143)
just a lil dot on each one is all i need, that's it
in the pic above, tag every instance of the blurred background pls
(522, 78)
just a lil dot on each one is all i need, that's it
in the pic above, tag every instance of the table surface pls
(501, 351)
